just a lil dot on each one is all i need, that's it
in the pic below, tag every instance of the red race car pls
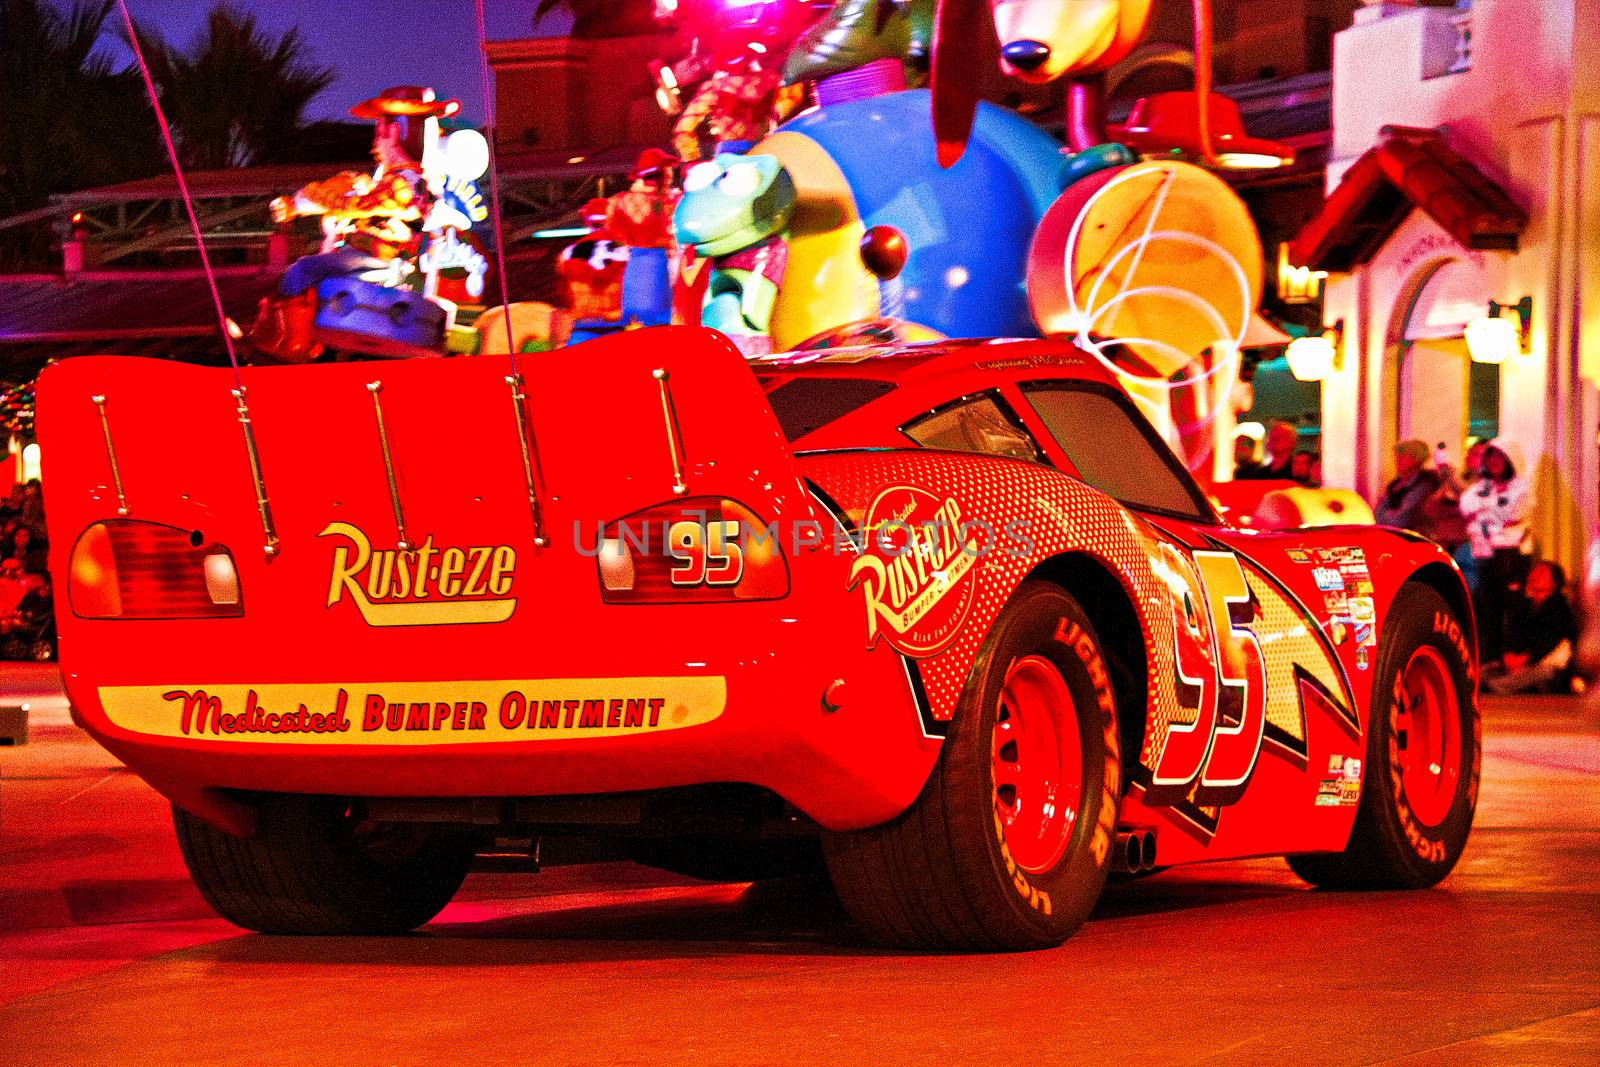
(949, 617)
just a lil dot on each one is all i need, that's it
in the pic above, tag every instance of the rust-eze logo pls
(423, 586)
(915, 570)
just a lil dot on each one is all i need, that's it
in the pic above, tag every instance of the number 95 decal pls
(705, 553)
(1221, 679)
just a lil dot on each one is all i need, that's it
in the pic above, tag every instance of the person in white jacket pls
(1496, 508)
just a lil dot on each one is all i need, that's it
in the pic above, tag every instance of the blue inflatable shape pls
(968, 227)
(362, 316)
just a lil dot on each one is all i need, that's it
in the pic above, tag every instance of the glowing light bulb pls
(1492, 340)
(1311, 358)
(466, 155)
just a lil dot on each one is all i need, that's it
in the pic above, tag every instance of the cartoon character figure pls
(640, 217)
(591, 268)
(741, 101)
(591, 271)
(856, 32)
(734, 211)
(1040, 41)
(733, 61)
(369, 220)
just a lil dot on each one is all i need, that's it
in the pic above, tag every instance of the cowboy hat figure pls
(368, 219)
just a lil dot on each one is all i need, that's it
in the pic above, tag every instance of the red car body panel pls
(832, 696)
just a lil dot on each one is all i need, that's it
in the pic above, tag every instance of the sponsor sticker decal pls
(915, 570)
(1342, 786)
(423, 586)
(1362, 611)
(417, 713)
(1328, 579)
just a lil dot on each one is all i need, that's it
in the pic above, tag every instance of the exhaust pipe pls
(1129, 855)
(1135, 852)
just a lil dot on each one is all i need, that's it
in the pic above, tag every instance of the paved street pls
(107, 953)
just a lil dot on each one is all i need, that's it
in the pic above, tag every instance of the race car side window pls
(808, 403)
(982, 423)
(1114, 449)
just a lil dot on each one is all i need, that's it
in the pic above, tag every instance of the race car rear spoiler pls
(155, 460)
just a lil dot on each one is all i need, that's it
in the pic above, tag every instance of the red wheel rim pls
(1038, 763)
(1427, 736)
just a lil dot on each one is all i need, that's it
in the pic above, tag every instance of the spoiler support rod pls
(263, 506)
(669, 413)
(111, 454)
(225, 325)
(402, 543)
(531, 474)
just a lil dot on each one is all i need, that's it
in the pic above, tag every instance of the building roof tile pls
(1409, 169)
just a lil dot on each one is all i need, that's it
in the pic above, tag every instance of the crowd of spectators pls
(26, 598)
(1279, 458)
(1526, 626)
(1527, 630)
(1537, 639)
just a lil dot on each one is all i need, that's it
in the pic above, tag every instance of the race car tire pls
(314, 867)
(1009, 843)
(1424, 743)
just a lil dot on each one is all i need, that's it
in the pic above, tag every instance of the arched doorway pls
(1440, 395)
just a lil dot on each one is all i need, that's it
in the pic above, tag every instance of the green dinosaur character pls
(856, 32)
(733, 211)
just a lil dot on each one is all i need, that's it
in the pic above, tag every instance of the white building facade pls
(1513, 89)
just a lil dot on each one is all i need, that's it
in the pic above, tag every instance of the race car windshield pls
(1112, 451)
(975, 424)
(806, 404)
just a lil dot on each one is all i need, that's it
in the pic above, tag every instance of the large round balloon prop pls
(871, 191)
(1156, 270)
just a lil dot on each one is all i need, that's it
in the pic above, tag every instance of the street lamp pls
(1313, 358)
(1494, 339)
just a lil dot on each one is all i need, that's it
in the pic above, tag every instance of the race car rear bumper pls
(847, 752)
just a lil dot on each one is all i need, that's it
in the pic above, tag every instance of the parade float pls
(868, 207)
(926, 212)
(397, 243)
(902, 208)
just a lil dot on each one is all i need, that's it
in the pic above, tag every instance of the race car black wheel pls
(1008, 845)
(315, 866)
(1423, 749)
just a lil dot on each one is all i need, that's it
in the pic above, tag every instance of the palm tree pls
(235, 96)
(603, 18)
(70, 118)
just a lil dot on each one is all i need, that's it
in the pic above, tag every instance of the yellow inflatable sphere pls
(1161, 256)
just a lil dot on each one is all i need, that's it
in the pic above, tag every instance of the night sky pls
(373, 44)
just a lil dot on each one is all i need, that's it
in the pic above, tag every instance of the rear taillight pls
(125, 569)
(700, 550)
